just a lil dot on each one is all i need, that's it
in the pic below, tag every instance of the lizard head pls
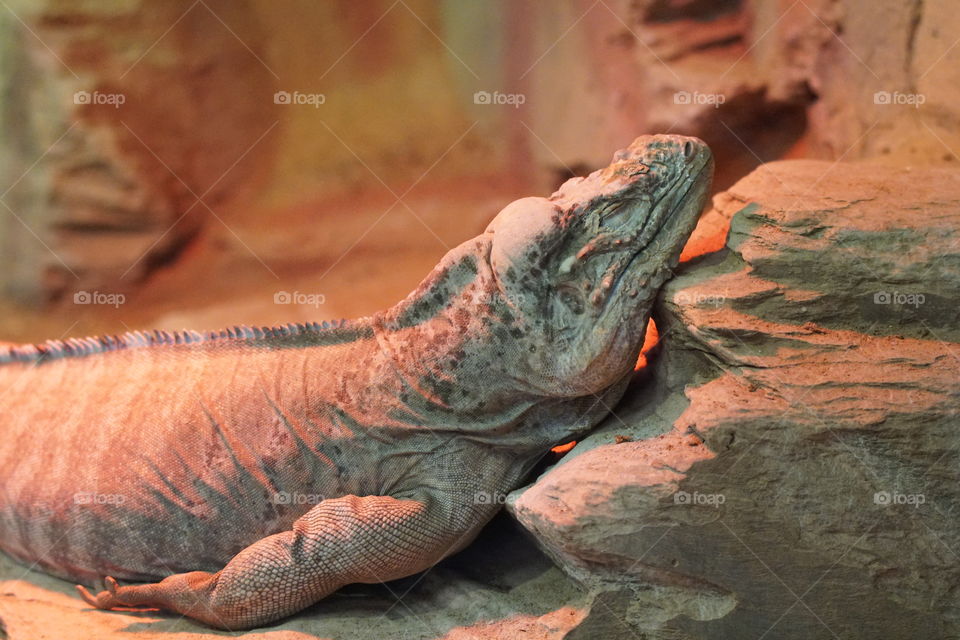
(583, 266)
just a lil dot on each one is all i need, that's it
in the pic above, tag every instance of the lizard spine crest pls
(80, 347)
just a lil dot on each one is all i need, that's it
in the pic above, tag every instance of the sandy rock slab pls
(789, 467)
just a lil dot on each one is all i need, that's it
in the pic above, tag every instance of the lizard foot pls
(105, 599)
(113, 596)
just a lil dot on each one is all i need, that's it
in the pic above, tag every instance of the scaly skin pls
(245, 475)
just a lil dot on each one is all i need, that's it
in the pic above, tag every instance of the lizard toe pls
(102, 600)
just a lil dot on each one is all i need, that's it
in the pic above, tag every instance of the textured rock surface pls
(757, 79)
(792, 471)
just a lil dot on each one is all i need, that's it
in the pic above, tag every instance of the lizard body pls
(244, 475)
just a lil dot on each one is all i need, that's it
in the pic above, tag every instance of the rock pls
(758, 80)
(789, 467)
(109, 144)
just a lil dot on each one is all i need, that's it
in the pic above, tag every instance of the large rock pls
(758, 80)
(791, 470)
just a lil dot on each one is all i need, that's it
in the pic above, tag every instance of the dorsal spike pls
(79, 347)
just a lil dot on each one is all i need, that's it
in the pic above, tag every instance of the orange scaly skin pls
(245, 475)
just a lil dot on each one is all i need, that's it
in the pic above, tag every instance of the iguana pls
(245, 474)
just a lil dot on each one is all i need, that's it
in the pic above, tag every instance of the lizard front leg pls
(339, 541)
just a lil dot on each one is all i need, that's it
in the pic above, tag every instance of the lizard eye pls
(617, 217)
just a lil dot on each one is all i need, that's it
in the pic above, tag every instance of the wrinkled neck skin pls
(473, 361)
(465, 353)
(455, 329)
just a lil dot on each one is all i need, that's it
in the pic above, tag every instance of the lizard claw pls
(105, 599)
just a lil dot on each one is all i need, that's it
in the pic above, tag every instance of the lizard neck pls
(451, 342)
(448, 310)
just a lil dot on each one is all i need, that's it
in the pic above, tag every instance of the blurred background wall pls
(170, 163)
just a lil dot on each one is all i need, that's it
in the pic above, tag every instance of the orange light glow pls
(560, 449)
(709, 236)
(649, 342)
